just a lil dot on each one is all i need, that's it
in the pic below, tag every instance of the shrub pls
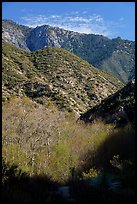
(44, 140)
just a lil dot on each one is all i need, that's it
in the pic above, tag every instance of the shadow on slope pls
(120, 142)
(109, 174)
(19, 186)
(118, 108)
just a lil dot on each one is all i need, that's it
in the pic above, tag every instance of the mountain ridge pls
(114, 56)
(54, 74)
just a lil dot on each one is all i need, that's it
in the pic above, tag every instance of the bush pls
(43, 140)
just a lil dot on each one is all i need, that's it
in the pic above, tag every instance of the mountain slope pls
(15, 34)
(55, 75)
(118, 108)
(114, 56)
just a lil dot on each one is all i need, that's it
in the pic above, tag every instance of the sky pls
(111, 19)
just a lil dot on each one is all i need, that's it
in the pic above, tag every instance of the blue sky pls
(111, 19)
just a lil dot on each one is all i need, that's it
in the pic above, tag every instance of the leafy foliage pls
(45, 148)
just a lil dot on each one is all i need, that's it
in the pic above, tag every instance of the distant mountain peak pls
(116, 56)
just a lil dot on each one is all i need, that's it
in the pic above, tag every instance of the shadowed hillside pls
(118, 108)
